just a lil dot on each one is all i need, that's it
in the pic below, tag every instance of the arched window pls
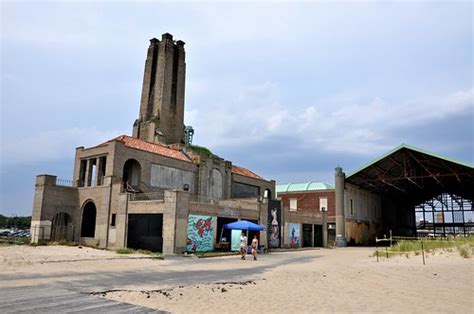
(216, 187)
(88, 220)
(131, 174)
(267, 194)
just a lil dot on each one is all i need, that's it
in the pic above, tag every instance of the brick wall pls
(309, 201)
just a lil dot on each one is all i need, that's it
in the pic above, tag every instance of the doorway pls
(145, 231)
(318, 235)
(307, 235)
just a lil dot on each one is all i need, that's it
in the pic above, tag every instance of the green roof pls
(303, 187)
(411, 148)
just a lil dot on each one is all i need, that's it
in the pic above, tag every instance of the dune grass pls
(133, 251)
(464, 245)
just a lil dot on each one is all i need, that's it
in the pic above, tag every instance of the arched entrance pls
(131, 175)
(88, 220)
(60, 227)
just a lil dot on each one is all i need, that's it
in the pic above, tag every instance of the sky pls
(290, 90)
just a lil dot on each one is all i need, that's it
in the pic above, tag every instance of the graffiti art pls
(294, 235)
(200, 233)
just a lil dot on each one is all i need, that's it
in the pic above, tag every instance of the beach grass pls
(464, 245)
(133, 251)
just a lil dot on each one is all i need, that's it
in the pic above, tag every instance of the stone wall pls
(49, 200)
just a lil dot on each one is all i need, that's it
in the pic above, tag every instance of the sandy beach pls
(327, 280)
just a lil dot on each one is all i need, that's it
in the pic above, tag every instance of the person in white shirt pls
(243, 245)
(254, 247)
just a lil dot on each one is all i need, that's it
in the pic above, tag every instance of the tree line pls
(20, 222)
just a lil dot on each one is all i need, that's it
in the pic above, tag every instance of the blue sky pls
(289, 90)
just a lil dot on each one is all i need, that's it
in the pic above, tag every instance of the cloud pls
(52, 145)
(348, 125)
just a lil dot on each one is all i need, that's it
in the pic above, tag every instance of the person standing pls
(243, 245)
(254, 247)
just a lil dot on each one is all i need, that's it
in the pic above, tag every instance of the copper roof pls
(245, 172)
(151, 147)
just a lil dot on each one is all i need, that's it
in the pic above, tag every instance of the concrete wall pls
(363, 222)
(207, 166)
(146, 160)
(172, 178)
(175, 222)
(100, 196)
(49, 200)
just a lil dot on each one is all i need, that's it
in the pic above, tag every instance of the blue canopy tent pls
(244, 225)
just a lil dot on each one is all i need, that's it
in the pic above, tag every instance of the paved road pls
(65, 291)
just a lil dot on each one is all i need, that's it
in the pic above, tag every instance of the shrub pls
(201, 150)
(464, 251)
(124, 251)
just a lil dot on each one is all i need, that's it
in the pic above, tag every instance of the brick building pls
(152, 190)
(304, 206)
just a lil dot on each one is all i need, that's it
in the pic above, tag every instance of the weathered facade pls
(149, 190)
(388, 196)
(309, 209)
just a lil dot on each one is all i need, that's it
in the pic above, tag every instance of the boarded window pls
(293, 204)
(171, 178)
(215, 190)
(242, 190)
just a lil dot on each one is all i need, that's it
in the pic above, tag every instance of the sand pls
(329, 280)
(342, 280)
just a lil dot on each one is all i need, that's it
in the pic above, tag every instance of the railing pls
(151, 196)
(63, 182)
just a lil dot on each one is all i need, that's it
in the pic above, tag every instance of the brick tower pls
(161, 117)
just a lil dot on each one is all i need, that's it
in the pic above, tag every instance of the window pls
(112, 221)
(323, 204)
(293, 204)
(352, 208)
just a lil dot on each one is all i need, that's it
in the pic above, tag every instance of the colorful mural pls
(275, 231)
(294, 235)
(200, 233)
(235, 244)
(274, 223)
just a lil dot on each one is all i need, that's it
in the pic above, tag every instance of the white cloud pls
(51, 145)
(349, 126)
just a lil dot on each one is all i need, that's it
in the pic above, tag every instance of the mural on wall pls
(200, 233)
(235, 243)
(274, 222)
(294, 235)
